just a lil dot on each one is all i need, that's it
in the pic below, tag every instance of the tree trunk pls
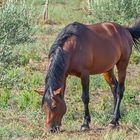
(46, 11)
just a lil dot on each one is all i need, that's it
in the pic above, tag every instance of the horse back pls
(104, 45)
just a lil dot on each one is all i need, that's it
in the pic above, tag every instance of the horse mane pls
(56, 68)
(74, 28)
(54, 76)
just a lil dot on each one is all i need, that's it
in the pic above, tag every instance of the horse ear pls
(58, 91)
(40, 91)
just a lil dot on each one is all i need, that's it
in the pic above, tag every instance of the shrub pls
(122, 11)
(15, 28)
(15, 25)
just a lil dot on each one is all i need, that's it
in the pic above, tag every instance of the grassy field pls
(21, 115)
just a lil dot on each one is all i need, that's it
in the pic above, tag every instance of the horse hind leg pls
(113, 83)
(85, 99)
(121, 66)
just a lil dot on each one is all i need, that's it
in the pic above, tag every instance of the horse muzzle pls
(54, 129)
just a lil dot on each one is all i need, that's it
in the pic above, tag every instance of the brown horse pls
(84, 50)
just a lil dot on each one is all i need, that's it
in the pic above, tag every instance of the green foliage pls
(63, 12)
(4, 97)
(132, 117)
(21, 78)
(135, 57)
(114, 135)
(130, 105)
(98, 82)
(29, 51)
(6, 55)
(20, 112)
(58, 2)
(130, 98)
(15, 25)
(16, 130)
(15, 28)
(120, 11)
(28, 99)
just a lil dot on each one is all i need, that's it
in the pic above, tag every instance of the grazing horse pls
(84, 50)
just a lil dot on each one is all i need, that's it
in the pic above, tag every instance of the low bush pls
(15, 28)
(120, 11)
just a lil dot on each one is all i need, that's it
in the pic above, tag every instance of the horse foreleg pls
(85, 99)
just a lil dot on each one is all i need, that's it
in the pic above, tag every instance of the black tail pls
(135, 33)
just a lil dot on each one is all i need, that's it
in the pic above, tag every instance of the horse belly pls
(101, 68)
(96, 66)
(96, 60)
(103, 62)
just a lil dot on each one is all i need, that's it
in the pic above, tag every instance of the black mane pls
(77, 29)
(54, 78)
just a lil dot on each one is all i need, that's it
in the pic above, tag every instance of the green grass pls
(64, 12)
(21, 116)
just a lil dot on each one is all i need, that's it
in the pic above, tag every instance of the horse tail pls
(135, 33)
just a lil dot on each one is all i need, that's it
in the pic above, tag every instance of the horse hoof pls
(85, 127)
(113, 125)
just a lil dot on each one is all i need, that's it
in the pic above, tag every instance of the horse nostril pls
(57, 128)
(53, 108)
(52, 130)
